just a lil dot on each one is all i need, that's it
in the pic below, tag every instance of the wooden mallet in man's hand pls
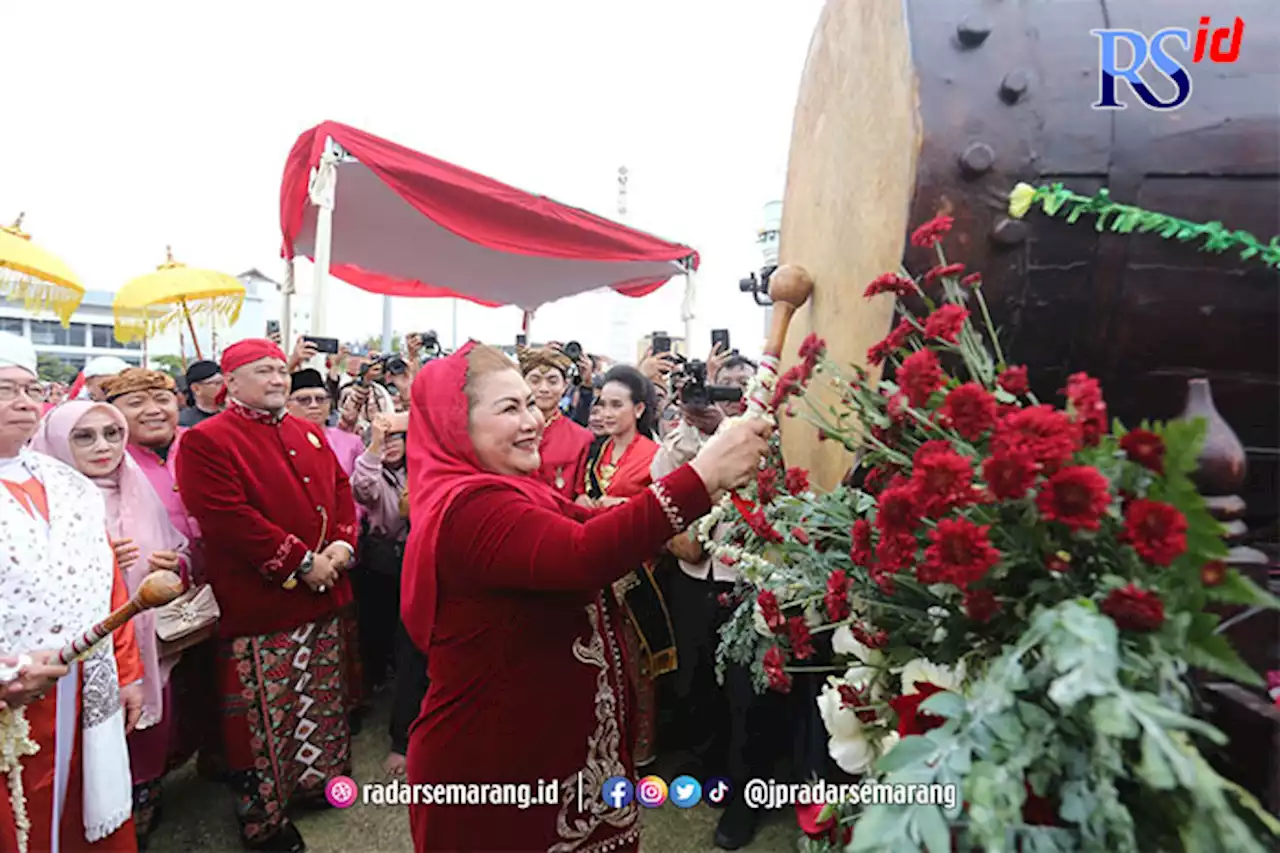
(156, 590)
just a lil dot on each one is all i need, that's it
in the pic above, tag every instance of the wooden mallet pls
(789, 287)
(156, 590)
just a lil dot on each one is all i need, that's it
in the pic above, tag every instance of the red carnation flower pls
(970, 410)
(1059, 562)
(789, 385)
(973, 279)
(1134, 609)
(980, 605)
(1010, 473)
(837, 597)
(1145, 448)
(822, 830)
(911, 720)
(890, 283)
(946, 323)
(766, 486)
(960, 554)
(882, 578)
(894, 341)
(812, 348)
(897, 511)
(895, 552)
(875, 480)
(761, 527)
(801, 639)
(928, 234)
(771, 612)
(800, 535)
(1043, 431)
(942, 480)
(919, 376)
(942, 272)
(1213, 573)
(860, 552)
(1085, 396)
(851, 697)
(1157, 531)
(1014, 380)
(1077, 497)
(896, 409)
(775, 670)
(877, 640)
(797, 481)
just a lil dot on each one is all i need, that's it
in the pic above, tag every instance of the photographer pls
(731, 730)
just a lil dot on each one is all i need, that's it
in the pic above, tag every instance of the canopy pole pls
(286, 309)
(526, 323)
(195, 339)
(386, 324)
(323, 193)
(687, 312)
(145, 365)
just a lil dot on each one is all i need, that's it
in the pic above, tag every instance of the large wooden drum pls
(908, 109)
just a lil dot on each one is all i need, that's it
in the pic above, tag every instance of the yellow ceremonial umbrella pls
(40, 279)
(153, 303)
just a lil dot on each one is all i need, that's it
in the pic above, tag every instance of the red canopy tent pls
(411, 225)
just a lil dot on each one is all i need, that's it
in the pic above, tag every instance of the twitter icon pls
(685, 792)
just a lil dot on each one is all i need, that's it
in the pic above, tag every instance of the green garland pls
(1125, 219)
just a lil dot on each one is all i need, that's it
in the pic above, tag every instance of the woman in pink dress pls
(91, 438)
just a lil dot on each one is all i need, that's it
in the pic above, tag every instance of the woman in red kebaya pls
(617, 469)
(502, 587)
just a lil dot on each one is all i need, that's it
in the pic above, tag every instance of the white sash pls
(56, 582)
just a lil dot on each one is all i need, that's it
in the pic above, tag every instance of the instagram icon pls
(651, 792)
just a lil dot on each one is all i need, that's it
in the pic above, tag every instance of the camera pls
(757, 284)
(694, 390)
(430, 344)
(573, 349)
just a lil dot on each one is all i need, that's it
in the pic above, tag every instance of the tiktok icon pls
(716, 792)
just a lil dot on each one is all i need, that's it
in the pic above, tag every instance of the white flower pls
(923, 670)
(848, 744)
(844, 643)
(757, 621)
(812, 617)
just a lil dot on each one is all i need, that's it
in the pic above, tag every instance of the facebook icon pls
(616, 791)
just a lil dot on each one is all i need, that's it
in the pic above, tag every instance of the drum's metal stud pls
(972, 32)
(977, 159)
(1009, 232)
(1014, 86)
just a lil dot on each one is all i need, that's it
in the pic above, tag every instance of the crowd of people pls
(501, 544)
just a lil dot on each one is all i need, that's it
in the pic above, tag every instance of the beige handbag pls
(189, 619)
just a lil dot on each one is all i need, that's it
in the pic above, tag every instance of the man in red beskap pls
(276, 508)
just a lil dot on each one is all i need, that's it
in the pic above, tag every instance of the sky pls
(131, 126)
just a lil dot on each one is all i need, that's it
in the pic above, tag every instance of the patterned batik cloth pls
(285, 723)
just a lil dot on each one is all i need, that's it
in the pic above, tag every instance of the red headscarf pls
(442, 465)
(246, 352)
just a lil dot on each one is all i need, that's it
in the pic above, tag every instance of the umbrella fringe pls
(38, 295)
(133, 324)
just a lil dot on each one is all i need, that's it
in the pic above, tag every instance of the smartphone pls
(522, 340)
(720, 338)
(329, 346)
(661, 343)
(273, 328)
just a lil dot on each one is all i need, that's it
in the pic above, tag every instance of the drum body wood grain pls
(1005, 93)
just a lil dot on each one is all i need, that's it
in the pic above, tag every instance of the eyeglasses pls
(89, 437)
(310, 399)
(34, 391)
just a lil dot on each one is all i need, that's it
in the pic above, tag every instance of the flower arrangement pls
(1014, 594)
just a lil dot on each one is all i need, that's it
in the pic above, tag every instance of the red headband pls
(248, 351)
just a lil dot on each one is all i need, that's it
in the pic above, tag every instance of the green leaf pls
(1236, 588)
(1154, 768)
(1111, 717)
(944, 704)
(933, 830)
(906, 752)
(1216, 654)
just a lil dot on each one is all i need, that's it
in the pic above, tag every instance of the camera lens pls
(573, 349)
